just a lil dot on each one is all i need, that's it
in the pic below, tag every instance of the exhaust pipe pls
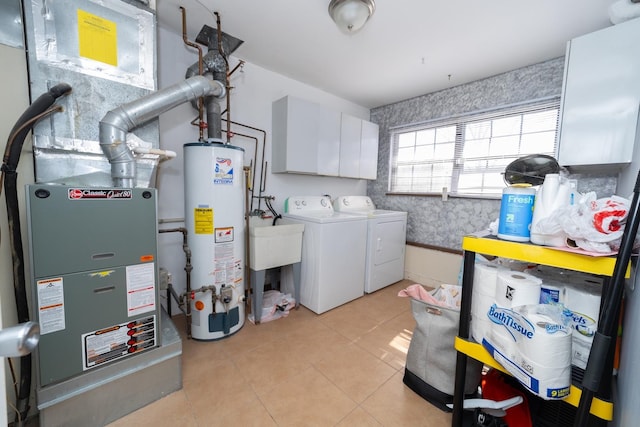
(218, 71)
(115, 125)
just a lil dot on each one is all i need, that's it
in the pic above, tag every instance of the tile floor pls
(341, 368)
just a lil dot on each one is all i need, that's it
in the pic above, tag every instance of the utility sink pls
(274, 245)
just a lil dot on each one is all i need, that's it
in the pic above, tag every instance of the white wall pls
(255, 89)
(431, 267)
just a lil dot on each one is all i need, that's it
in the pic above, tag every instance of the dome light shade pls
(351, 15)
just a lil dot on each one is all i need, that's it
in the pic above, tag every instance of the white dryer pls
(333, 252)
(386, 240)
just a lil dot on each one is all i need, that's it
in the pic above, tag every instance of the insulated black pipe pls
(9, 167)
(604, 338)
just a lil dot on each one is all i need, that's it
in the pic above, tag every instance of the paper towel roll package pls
(582, 298)
(533, 343)
(514, 289)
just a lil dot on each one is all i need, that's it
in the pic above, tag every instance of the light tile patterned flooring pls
(341, 368)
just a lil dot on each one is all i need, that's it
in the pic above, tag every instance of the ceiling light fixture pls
(351, 15)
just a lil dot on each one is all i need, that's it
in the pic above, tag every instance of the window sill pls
(448, 195)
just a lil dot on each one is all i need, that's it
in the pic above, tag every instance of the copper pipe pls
(255, 156)
(201, 124)
(241, 63)
(188, 268)
(263, 167)
(247, 253)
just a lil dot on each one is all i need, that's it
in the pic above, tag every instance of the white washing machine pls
(386, 240)
(333, 252)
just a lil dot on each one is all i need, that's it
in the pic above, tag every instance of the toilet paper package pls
(551, 292)
(533, 343)
(514, 288)
(483, 297)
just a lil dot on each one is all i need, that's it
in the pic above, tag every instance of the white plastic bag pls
(275, 305)
(592, 224)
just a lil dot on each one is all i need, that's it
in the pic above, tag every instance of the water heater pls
(214, 218)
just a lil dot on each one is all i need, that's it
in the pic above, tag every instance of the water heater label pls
(224, 235)
(117, 341)
(141, 288)
(223, 171)
(51, 305)
(223, 265)
(203, 220)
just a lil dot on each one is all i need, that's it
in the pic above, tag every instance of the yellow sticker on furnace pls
(97, 38)
(203, 220)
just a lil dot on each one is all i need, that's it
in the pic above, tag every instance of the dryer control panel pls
(354, 204)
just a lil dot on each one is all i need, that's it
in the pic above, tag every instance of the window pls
(468, 155)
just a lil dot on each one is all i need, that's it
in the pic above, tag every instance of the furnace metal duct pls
(118, 122)
(66, 147)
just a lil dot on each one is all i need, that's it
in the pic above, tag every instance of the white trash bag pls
(591, 224)
(275, 305)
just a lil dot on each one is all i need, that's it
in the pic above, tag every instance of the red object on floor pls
(495, 388)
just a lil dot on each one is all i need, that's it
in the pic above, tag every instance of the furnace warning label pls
(223, 171)
(141, 288)
(98, 38)
(51, 305)
(203, 220)
(117, 341)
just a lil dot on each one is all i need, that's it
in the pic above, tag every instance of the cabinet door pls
(294, 123)
(369, 150)
(350, 133)
(328, 139)
(600, 97)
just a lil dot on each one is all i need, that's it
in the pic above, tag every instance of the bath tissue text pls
(512, 321)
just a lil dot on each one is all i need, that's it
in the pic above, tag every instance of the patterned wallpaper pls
(441, 223)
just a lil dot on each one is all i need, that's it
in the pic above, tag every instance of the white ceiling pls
(408, 48)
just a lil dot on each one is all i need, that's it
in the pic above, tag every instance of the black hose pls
(9, 168)
(276, 216)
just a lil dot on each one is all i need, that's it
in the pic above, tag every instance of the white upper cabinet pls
(350, 134)
(328, 141)
(358, 148)
(600, 97)
(369, 150)
(306, 137)
(312, 139)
